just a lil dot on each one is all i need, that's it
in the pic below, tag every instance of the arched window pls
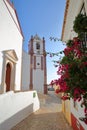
(37, 46)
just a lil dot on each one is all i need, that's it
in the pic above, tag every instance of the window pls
(37, 46)
(38, 63)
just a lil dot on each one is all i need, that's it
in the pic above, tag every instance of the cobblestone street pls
(49, 117)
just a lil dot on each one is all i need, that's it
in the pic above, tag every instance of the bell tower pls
(38, 73)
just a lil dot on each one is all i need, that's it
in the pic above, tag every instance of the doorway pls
(8, 77)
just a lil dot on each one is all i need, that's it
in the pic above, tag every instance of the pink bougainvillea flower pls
(85, 120)
(58, 91)
(73, 71)
(85, 110)
(65, 97)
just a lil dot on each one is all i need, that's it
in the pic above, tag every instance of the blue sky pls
(45, 18)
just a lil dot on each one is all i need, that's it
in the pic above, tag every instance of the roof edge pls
(12, 6)
(65, 17)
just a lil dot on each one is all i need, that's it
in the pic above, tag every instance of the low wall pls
(76, 112)
(14, 107)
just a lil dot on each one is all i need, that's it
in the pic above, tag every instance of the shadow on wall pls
(15, 119)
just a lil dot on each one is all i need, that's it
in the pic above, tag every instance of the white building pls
(14, 107)
(19, 70)
(71, 109)
(11, 40)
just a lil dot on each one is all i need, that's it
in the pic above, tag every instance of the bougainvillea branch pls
(73, 73)
(72, 68)
(54, 54)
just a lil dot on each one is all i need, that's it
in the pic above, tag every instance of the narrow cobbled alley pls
(49, 117)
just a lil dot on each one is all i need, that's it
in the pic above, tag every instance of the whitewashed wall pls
(25, 71)
(78, 112)
(13, 13)
(10, 38)
(74, 9)
(1, 61)
(14, 107)
(38, 74)
(38, 80)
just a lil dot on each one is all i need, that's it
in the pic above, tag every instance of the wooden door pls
(8, 77)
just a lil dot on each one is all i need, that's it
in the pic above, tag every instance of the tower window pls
(37, 46)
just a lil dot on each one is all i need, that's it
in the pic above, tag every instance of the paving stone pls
(48, 117)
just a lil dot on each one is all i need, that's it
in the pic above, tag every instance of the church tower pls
(38, 74)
